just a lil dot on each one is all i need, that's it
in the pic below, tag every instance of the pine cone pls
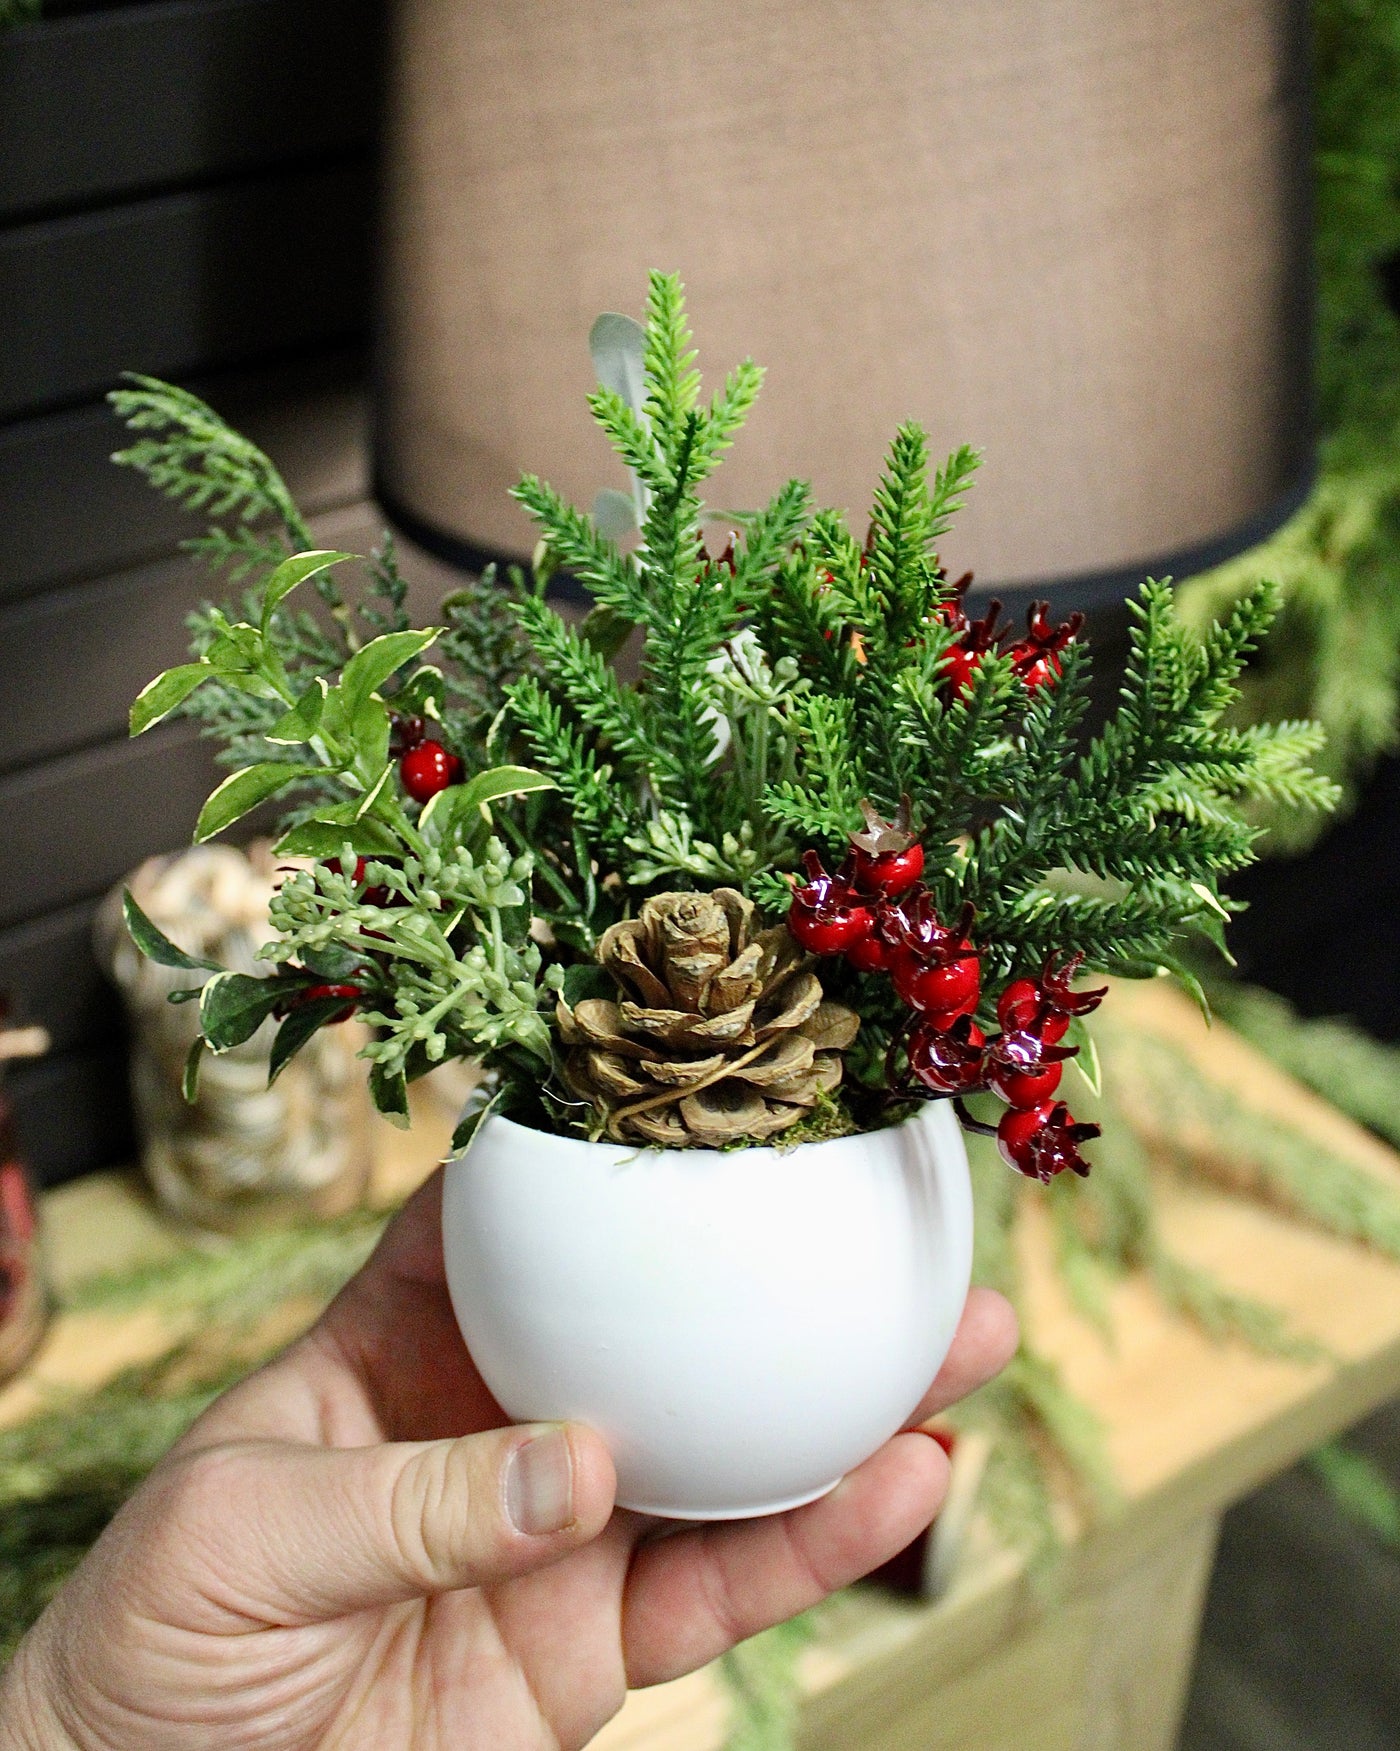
(722, 1034)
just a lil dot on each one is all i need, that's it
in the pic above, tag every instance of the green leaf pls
(421, 694)
(475, 1116)
(237, 647)
(389, 1091)
(235, 1005)
(242, 791)
(617, 345)
(304, 1021)
(1087, 1062)
(369, 729)
(1169, 967)
(155, 944)
(292, 572)
(189, 1081)
(457, 809)
(614, 513)
(373, 664)
(302, 721)
(375, 791)
(587, 979)
(325, 839)
(158, 698)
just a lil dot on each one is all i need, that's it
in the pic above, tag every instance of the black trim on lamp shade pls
(1084, 591)
(1087, 591)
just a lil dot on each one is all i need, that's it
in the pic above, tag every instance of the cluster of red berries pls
(877, 914)
(425, 766)
(1035, 659)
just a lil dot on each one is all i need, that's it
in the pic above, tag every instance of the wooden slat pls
(182, 282)
(68, 513)
(94, 646)
(49, 974)
(179, 92)
(73, 1111)
(73, 826)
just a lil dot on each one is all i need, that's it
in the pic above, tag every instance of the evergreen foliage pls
(1360, 1489)
(838, 649)
(1357, 1074)
(777, 687)
(1336, 654)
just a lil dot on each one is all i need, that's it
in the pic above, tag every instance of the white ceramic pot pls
(742, 1327)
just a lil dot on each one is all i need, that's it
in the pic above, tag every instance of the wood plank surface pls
(1191, 1425)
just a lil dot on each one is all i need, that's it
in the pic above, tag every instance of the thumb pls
(301, 1534)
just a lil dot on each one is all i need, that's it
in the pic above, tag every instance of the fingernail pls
(540, 1484)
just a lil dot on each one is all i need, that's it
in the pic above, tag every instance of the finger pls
(393, 1328)
(984, 1343)
(315, 1533)
(691, 1597)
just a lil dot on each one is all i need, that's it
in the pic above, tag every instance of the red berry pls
(872, 954)
(890, 873)
(834, 931)
(317, 993)
(1025, 1088)
(948, 1060)
(405, 733)
(886, 859)
(1017, 1131)
(1018, 1005)
(827, 917)
(959, 666)
(1036, 658)
(937, 990)
(427, 769)
(1039, 671)
(1043, 1140)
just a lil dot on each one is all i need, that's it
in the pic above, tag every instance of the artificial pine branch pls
(200, 461)
(1357, 1074)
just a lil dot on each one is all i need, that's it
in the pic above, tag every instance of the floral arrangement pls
(835, 847)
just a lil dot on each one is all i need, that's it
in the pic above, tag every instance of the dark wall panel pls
(235, 84)
(72, 660)
(72, 826)
(47, 968)
(182, 282)
(67, 512)
(73, 1111)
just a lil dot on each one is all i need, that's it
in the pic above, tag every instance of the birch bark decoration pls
(243, 1153)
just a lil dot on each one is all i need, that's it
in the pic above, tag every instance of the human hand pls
(352, 1548)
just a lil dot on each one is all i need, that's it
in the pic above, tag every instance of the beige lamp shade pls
(1074, 233)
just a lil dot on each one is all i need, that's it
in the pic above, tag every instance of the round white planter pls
(742, 1327)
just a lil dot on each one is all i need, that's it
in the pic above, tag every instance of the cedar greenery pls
(778, 686)
(1336, 654)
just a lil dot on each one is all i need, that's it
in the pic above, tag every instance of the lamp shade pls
(1074, 233)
